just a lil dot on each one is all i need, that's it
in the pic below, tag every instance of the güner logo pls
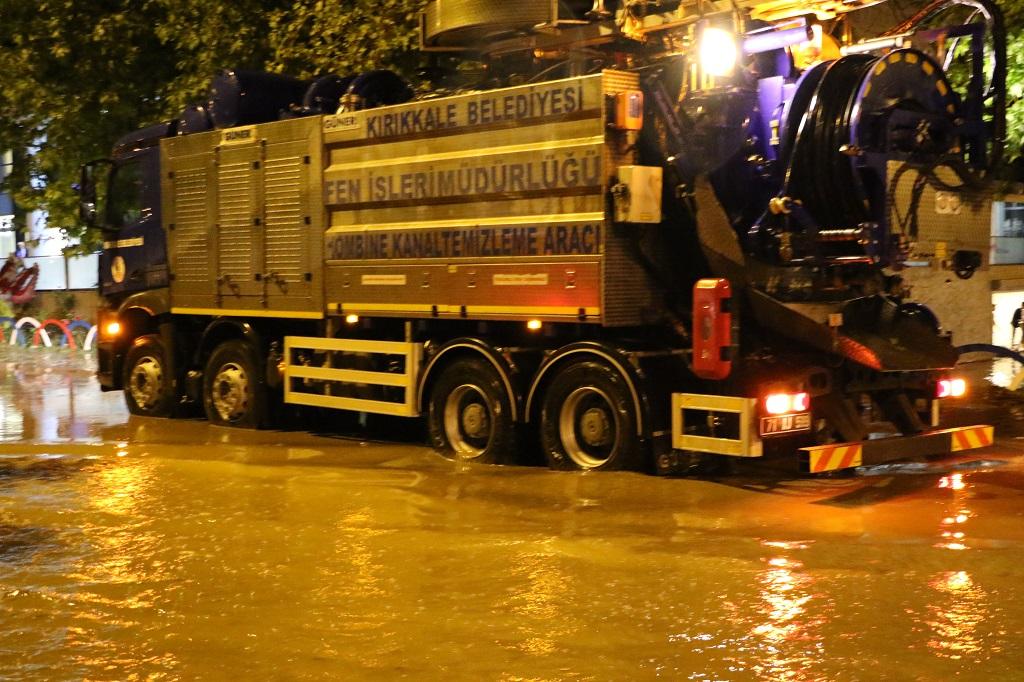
(237, 135)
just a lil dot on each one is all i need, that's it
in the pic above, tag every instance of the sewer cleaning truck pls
(630, 234)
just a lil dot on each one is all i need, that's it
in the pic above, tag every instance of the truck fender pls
(223, 328)
(154, 302)
(617, 358)
(470, 346)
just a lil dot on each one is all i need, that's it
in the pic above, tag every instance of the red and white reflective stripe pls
(833, 457)
(971, 437)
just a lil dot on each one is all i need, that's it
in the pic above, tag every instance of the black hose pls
(998, 86)
(818, 173)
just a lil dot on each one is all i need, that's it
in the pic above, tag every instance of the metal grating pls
(191, 231)
(235, 214)
(284, 207)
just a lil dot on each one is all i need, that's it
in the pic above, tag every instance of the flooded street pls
(151, 549)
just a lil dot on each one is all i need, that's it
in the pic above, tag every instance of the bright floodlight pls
(718, 51)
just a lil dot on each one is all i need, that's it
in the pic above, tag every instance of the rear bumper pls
(821, 458)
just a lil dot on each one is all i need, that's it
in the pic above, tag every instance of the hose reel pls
(848, 117)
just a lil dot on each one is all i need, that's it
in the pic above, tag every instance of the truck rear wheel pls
(588, 420)
(233, 393)
(470, 416)
(148, 386)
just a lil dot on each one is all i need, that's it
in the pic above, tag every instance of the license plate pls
(785, 423)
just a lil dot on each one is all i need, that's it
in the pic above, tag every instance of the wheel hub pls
(230, 392)
(467, 421)
(595, 427)
(146, 382)
(474, 420)
(588, 427)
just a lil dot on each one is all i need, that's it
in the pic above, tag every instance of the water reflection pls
(789, 622)
(177, 550)
(960, 608)
(52, 397)
(539, 601)
(960, 604)
(951, 531)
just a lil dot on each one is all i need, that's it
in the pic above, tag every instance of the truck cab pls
(121, 197)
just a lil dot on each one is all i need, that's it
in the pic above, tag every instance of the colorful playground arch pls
(66, 329)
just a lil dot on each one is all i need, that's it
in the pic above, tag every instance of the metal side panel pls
(189, 201)
(351, 374)
(292, 216)
(238, 223)
(483, 206)
(245, 220)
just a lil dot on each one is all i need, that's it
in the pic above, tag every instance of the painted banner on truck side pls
(578, 239)
(572, 169)
(552, 100)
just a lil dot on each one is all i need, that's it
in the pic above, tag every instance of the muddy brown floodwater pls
(149, 549)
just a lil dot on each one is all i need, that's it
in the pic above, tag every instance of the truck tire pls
(588, 421)
(148, 387)
(233, 390)
(469, 416)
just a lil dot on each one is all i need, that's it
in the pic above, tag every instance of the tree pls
(1014, 14)
(58, 107)
(78, 74)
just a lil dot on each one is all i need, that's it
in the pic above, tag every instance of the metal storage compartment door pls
(239, 224)
(292, 234)
(189, 209)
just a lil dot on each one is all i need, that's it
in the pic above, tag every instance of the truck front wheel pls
(469, 415)
(148, 386)
(588, 420)
(233, 394)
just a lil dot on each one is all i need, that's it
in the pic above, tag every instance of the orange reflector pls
(972, 437)
(834, 457)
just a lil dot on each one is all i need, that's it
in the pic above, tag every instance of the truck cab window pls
(124, 200)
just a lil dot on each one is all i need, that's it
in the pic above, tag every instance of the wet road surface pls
(151, 549)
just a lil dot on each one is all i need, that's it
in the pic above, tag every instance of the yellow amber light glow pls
(718, 51)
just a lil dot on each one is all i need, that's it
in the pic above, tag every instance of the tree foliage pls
(1014, 15)
(78, 74)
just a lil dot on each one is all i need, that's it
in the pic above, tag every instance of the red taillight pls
(950, 388)
(781, 403)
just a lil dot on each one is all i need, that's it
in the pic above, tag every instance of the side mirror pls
(91, 173)
(87, 212)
